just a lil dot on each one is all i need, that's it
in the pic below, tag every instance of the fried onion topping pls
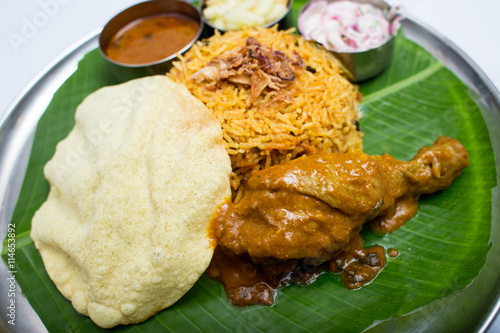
(255, 65)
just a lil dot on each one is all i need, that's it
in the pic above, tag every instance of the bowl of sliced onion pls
(225, 15)
(360, 33)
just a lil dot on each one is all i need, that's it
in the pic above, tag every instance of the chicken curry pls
(295, 217)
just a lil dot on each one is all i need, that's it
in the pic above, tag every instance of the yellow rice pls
(320, 116)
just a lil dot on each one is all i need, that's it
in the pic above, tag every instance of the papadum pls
(133, 188)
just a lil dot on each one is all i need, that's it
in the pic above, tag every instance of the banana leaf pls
(441, 250)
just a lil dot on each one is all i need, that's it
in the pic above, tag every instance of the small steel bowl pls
(124, 71)
(284, 22)
(363, 65)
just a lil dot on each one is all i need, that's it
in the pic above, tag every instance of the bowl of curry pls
(148, 36)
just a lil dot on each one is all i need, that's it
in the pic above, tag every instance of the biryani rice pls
(317, 112)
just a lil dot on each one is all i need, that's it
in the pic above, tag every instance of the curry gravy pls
(151, 39)
(248, 283)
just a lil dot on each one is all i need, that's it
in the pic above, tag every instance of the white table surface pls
(35, 32)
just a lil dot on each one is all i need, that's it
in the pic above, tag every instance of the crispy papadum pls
(133, 188)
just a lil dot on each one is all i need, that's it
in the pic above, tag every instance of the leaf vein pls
(402, 84)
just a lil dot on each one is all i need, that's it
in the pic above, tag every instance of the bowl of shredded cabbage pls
(360, 33)
(225, 15)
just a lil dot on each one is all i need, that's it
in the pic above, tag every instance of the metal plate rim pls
(89, 42)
